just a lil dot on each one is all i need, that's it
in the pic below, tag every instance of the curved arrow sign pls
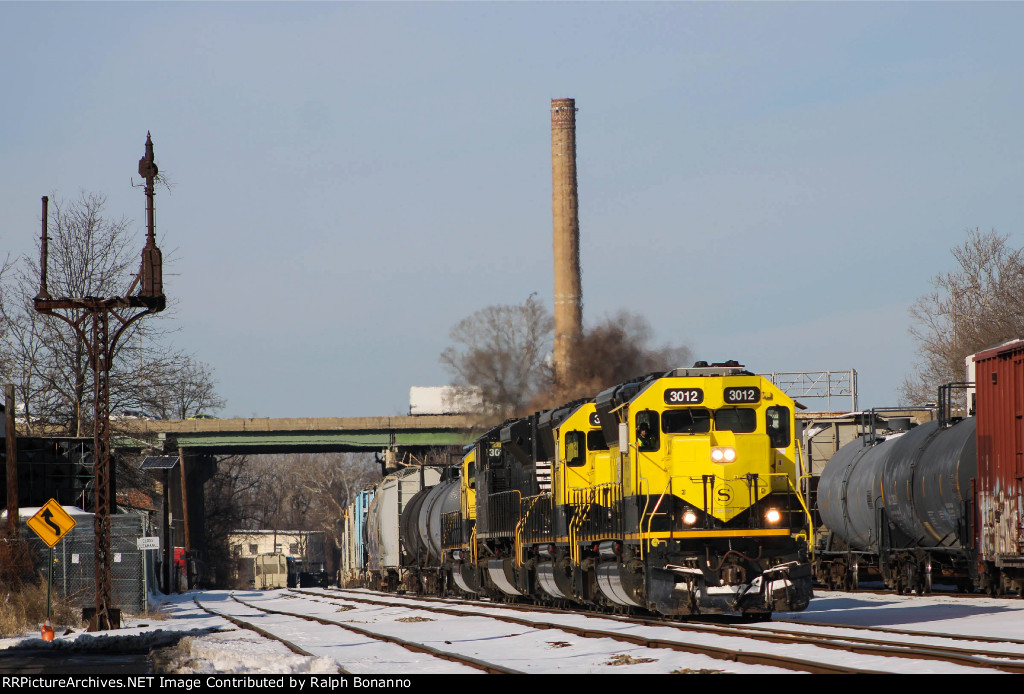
(51, 523)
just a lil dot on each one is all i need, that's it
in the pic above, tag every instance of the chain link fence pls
(74, 562)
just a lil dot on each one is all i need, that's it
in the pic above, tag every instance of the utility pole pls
(11, 451)
(90, 317)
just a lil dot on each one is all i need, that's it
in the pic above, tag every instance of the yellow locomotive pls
(706, 514)
(676, 493)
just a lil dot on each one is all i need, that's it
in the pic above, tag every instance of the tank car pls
(898, 509)
(420, 534)
(942, 502)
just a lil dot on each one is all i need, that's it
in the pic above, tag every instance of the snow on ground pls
(197, 642)
(933, 614)
(211, 644)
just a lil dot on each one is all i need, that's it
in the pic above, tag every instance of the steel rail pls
(489, 668)
(785, 662)
(294, 648)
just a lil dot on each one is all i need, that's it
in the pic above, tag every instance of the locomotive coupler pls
(786, 586)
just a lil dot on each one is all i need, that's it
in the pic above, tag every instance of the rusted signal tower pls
(90, 317)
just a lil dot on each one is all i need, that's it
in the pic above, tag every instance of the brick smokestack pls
(565, 208)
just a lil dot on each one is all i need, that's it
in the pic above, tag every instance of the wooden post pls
(12, 463)
(185, 518)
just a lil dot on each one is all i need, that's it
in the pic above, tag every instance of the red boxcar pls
(999, 537)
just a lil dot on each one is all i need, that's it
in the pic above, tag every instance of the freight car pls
(675, 493)
(387, 563)
(939, 503)
(353, 565)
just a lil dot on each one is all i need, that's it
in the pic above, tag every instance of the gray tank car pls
(420, 533)
(898, 510)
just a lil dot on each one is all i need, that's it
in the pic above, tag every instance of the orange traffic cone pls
(47, 631)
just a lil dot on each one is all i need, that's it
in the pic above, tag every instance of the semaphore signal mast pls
(100, 322)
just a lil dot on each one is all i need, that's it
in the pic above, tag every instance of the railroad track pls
(250, 617)
(744, 644)
(748, 644)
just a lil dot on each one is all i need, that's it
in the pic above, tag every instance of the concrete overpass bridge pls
(185, 452)
(302, 435)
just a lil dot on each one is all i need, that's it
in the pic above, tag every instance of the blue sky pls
(768, 182)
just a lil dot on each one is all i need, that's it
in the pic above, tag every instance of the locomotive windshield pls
(697, 420)
(595, 440)
(692, 420)
(740, 420)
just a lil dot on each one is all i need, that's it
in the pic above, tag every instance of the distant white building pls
(305, 547)
(424, 400)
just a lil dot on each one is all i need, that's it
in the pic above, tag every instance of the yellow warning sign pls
(51, 523)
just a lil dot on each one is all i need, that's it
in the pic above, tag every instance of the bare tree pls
(5, 268)
(615, 350)
(228, 495)
(178, 387)
(90, 255)
(503, 351)
(975, 306)
(307, 491)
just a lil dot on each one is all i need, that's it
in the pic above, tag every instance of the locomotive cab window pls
(471, 475)
(692, 420)
(596, 440)
(647, 436)
(777, 426)
(574, 449)
(740, 420)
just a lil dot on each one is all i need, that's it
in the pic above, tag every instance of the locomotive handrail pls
(574, 526)
(647, 502)
(521, 525)
(654, 511)
(583, 499)
(800, 470)
(803, 505)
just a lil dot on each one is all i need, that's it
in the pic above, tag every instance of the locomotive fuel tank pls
(920, 481)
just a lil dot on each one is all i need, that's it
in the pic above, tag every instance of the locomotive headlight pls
(724, 454)
(772, 515)
(689, 517)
